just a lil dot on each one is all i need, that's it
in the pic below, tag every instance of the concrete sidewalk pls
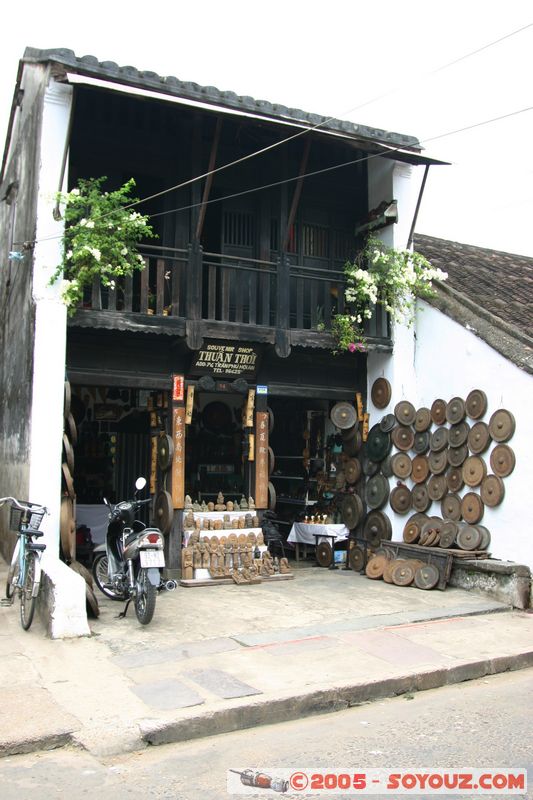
(228, 657)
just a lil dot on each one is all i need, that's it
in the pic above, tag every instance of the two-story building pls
(257, 207)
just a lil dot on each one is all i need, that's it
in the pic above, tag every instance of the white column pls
(50, 321)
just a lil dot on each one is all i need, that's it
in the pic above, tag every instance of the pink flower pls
(352, 347)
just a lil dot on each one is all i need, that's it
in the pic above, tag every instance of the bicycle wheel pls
(13, 572)
(27, 600)
(145, 598)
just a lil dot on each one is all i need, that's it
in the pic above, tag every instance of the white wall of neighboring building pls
(438, 358)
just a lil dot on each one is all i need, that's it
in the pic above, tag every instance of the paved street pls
(484, 723)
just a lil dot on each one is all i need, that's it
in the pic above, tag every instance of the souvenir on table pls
(229, 505)
(244, 504)
(211, 506)
(188, 502)
(249, 521)
(251, 503)
(255, 522)
(188, 522)
(196, 506)
(203, 506)
(220, 505)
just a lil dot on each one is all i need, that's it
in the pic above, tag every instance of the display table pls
(305, 534)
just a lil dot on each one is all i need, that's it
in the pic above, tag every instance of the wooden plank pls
(211, 292)
(313, 304)
(128, 292)
(252, 298)
(226, 275)
(297, 192)
(261, 459)
(299, 302)
(175, 290)
(96, 294)
(264, 312)
(145, 283)
(240, 278)
(160, 287)
(209, 180)
(178, 462)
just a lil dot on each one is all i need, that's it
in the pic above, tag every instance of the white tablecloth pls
(303, 533)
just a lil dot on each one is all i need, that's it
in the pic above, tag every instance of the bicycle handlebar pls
(23, 505)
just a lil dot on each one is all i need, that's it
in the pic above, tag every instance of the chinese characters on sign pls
(178, 385)
(261, 459)
(178, 462)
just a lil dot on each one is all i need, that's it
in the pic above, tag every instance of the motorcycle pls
(127, 567)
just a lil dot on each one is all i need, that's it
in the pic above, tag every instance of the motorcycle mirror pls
(140, 483)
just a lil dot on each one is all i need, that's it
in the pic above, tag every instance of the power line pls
(309, 130)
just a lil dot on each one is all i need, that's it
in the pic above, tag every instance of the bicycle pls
(24, 574)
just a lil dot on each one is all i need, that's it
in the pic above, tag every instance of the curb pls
(47, 742)
(269, 712)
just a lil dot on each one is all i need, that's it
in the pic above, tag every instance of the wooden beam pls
(209, 179)
(297, 193)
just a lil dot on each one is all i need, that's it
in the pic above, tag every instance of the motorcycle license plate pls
(152, 558)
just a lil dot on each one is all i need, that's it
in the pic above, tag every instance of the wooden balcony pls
(195, 293)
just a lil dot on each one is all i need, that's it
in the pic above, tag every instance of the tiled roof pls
(109, 70)
(500, 283)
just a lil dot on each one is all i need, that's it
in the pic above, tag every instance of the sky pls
(374, 63)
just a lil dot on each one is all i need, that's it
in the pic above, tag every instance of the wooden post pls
(178, 462)
(261, 459)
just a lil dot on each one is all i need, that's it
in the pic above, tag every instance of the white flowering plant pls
(385, 276)
(101, 237)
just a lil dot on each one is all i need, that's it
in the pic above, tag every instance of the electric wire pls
(306, 131)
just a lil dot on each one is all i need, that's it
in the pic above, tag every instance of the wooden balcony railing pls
(192, 284)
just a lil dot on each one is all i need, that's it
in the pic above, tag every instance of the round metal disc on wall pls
(340, 480)
(502, 425)
(351, 510)
(387, 423)
(454, 479)
(163, 511)
(422, 420)
(427, 577)
(69, 483)
(378, 444)
(401, 499)
(324, 554)
(492, 490)
(474, 470)
(376, 565)
(405, 412)
(377, 528)
(468, 537)
(71, 429)
(352, 470)
(485, 537)
(381, 393)
(67, 396)
(451, 507)
(67, 528)
(369, 467)
(401, 465)
(420, 469)
(387, 572)
(437, 487)
(377, 491)
(403, 574)
(438, 440)
(438, 462)
(502, 460)
(68, 453)
(403, 437)
(412, 531)
(271, 461)
(476, 404)
(343, 415)
(458, 434)
(448, 533)
(455, 410)
(386, 467)
(272, 499)
(438, 412)
(421, 442)
(356, 558)
(420, 497)
(472, 508)
(479, 438)
(165, 451)
(457, 455)
(352, 444)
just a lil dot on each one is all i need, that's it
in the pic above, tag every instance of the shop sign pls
(226, 360)
(178, 387)
(178, 462)
(262, 389)
(261, 459)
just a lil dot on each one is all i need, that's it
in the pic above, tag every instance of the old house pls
(256, 208)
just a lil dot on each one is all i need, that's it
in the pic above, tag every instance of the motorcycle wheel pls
(101, 577)
(145, 598)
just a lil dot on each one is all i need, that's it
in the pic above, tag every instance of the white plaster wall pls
(449, 362)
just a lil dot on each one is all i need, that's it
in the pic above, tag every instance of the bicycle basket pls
(15, 519)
